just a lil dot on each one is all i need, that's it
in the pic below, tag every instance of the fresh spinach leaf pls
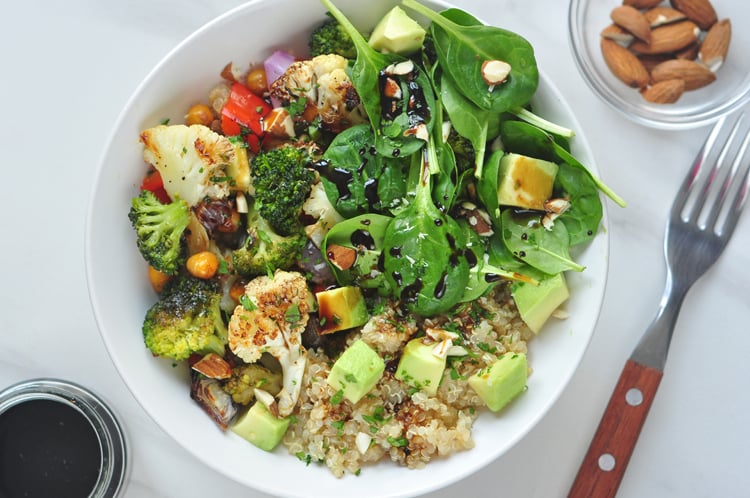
(463, 44)
(529, 140)
(365, 234)
(583, 216)
(528, 240)
(470, 121)
(488, 184)
(483, 274)
(425, 260)
(356, 178)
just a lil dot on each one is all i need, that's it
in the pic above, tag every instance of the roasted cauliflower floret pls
(319, 207)
(323, 81)
(194, 161)
(270, 319)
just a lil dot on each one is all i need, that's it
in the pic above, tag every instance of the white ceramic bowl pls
(120, 292)
(730, 91)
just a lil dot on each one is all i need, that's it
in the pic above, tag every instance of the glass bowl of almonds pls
(670, 64)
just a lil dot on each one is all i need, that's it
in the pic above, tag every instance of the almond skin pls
(624, 64)
(715, 45)
(701, 12)
(661, 15)
(694, 74)
(690, 52)
(632, 20)
(664, 92)
(668, 38)
(642, 4)
(616, 33)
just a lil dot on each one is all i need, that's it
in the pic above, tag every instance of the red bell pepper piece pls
(243, 115)
(154, 183)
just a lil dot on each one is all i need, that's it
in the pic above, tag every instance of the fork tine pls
(731, 176)
(683, 194)
(740, 196)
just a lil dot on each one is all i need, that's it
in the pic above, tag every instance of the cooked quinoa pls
(394, 420)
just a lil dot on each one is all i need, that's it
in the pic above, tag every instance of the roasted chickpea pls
(199, 114)
(204, 264)
(256, 81)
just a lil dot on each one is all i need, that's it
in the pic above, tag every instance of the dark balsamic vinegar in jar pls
(47, 449)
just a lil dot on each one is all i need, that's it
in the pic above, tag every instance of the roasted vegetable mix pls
(386, 214)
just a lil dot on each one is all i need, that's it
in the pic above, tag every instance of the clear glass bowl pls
(731, 90)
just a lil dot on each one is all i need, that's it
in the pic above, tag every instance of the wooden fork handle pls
(607, 458)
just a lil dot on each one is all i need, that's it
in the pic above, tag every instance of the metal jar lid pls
(111, 480)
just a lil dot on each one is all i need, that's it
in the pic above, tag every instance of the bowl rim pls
(637, 114)
(437, 481)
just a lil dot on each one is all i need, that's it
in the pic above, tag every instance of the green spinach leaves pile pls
(412, 189)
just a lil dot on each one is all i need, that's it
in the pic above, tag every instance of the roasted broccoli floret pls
(265, 251)
(462, 150)
(160, 229)
(246, 378)
(282, 180)
(186, 319)
(331, 38)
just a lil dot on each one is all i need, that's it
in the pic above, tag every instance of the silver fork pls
(703, 217)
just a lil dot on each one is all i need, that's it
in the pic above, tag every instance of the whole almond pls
(668, 38)
(650, 61)
(616, 33)
(715, 45)
(701, 12)
(632, 20)
(661, 15)
(664, 92)
(624, 64)
(642, 4)
(694, 74)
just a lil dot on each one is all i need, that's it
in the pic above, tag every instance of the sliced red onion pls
(275, 65)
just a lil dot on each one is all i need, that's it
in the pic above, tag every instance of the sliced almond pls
(661, 15)
(694, 74)
(616, 33)
(632, 20)
(701, 12)
(279, 123)
(341, 257)
(664, 92)
(213, 366)
(624, 64)
(668, 38)
(641, 4)
(715, 45)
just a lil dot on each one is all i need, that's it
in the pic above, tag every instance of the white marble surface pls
(69, 67)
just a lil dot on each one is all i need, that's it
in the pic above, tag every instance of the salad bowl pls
(120, 293)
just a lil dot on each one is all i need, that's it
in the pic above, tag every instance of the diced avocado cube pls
(525, 182)
(356, 371)
(261, 427)
(397, 33)
(536, 303)
(502, 381)
(341, 308)
(419, 367)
